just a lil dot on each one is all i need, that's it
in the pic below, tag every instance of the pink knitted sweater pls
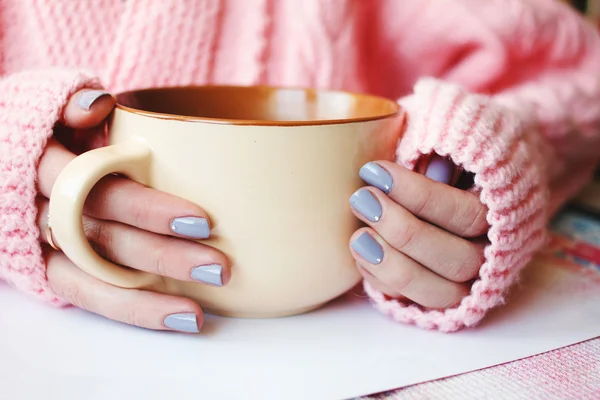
(509, 89)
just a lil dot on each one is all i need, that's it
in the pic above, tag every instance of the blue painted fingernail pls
(368, 248)
(440, 169)
(375, 175)
(183, 322)
(211, 274)
(89, 97)
(366, 204)
(191, 227)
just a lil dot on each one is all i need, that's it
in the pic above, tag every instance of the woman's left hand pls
(424, 237)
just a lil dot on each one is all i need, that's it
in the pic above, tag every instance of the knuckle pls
(466, 269)
(105, 236)
(402, 279)
(423, 202)
(141, 212)
(459, 272)
(160, 260)
(135, 316)
(91, 228)
(476, 222)
(71, 292)
(101, 237)
(447, 301)
(99, 196)
(404, 235)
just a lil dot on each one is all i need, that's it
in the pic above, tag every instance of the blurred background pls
(575, 233)
(590, 8)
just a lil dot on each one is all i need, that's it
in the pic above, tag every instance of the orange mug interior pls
(257, 105)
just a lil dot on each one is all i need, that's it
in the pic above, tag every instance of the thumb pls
(88, 108)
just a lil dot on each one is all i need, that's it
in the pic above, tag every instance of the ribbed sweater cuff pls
(31, 103)
(507, 160)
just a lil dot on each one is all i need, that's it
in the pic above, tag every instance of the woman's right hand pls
(130, 225)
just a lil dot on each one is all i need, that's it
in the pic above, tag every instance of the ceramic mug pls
(273, 168)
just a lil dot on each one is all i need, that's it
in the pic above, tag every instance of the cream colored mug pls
(274, 169)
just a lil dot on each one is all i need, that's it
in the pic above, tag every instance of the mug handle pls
(68, 198)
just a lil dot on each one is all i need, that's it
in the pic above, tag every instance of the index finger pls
(123, 200)
(450, 208)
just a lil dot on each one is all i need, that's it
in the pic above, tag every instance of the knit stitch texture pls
(30, 104)
(509, 89)
(491, 143)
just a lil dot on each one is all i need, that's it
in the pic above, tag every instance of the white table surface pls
(344, 350)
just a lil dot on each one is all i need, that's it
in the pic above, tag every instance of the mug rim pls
(230, 121)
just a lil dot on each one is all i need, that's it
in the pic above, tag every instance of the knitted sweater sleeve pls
(31, 102)
(528, 131)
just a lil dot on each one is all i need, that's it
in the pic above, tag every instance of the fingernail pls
(440, 169)
(368, 248)
(192, 227)
(184, 322)
(211, 274)
(375, 175)
(89, 97)
(366, 204)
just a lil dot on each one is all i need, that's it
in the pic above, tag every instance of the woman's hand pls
(423, 240)
(131, 225)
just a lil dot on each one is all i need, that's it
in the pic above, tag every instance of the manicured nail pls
(368, 248)
(366, 204)
(375, 175)
(211, 274)
(440, 169)
(192, 227)
(184, 322)
(89, 97)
